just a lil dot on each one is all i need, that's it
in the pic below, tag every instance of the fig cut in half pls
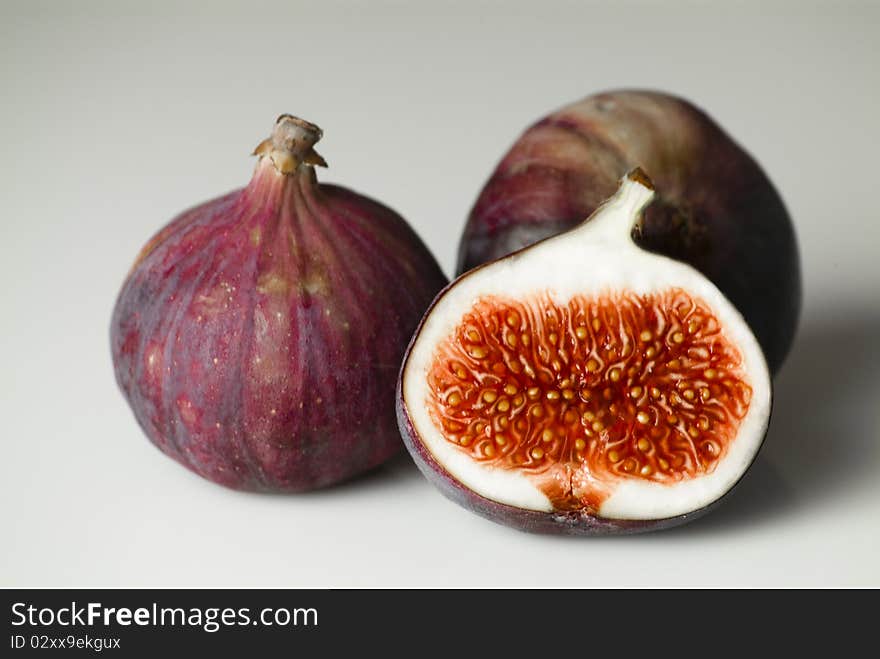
(584, 385)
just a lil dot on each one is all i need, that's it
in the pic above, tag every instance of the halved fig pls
(584, 385)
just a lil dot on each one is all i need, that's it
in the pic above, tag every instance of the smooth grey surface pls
(116, 116)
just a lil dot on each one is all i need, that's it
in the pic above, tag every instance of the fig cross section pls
(585, 385)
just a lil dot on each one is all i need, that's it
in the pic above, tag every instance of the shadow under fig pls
(824, 431)
(398, 471)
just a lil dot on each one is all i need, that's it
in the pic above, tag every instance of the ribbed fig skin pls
(715, 208)
(259, 335)
(574, 523)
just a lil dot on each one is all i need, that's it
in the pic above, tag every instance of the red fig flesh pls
(551, 415)
(258, 336)
(715, 208)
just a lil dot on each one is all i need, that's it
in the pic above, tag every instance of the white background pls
(116, 116)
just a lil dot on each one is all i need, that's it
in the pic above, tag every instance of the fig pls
(584, 384)
(714, 209)
(258, 336)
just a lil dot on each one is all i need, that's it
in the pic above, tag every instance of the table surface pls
(116, 116)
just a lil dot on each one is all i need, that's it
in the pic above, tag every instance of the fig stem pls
(615, 220)
(291, 144)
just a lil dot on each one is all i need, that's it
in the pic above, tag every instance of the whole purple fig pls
(715, 208)
(258, 336)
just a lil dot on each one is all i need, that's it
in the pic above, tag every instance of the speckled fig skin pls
(258, 336)
(574, 523)
(715, 207)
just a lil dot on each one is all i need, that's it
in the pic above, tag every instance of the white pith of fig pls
(585, 378)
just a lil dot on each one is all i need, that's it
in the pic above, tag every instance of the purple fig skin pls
(258, 336)
(715, 208)
(571, 523)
